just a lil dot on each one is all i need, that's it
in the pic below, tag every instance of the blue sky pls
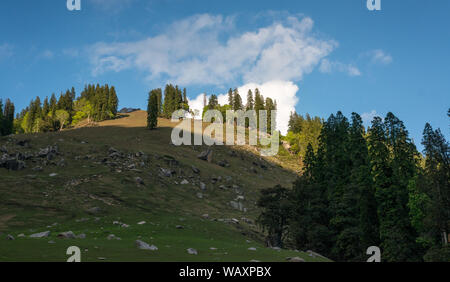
(315, 56)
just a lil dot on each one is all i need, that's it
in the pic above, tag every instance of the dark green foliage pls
(276, 206)
(103, 99)
(230, 97)
(429, 200)
(250, 101)
(6, 118)
(359, 190)
(237, 101)
(174, 99)
(158, 93)
(152, 110)
(393, 161)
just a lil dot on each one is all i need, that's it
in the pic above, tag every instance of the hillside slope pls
(102, 181)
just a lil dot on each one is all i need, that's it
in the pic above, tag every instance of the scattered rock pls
(184, 182)
(167, 172)
(53, 174)
(223, 163)
(94, 210)
(139, 181)
(10, 237)
(195, 170)
(67, 235)
(200, 195)
(113, 237)
(37, 168)
(192, 251)
(141, 223)
(252, 249)
(238, 206)
(314, 254)
(40, 235)
(254, 260)
(81, 236)
(202, 186)
(295, 259)
(206, 155)
(179, 227)
(144, 246)
(23, 143)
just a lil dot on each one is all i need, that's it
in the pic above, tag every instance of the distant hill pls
(128, 110)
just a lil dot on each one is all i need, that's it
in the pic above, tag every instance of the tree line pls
(365, 188)
(255, 102)
(174, 98)
(96, 103)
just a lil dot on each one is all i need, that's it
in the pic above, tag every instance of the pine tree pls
(361, 180)
(8, 118)
(436, 187)
(250, 102)
(259, 104)
(393, 167)
(152, 110)
(113, 102)
(230, 98)
(237, 101)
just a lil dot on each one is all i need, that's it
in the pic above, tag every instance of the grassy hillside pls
(104, 180)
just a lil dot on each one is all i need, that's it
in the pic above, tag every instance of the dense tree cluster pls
(174, 99)
(6, 118)
(163, 106)
(96, 103)
(302, 132)
(361, 189)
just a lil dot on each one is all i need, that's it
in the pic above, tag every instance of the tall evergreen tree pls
(250, 101)
(361, 183)
(230, 98)
(393, 167)
(237, 101)
(152, 110)
(8, 118)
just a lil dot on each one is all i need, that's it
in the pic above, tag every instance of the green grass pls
(159, 230)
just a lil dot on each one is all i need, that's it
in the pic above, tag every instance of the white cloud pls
(193, 51)
(284, 92)
(368, 117)
(378, 56)
(327, 66)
